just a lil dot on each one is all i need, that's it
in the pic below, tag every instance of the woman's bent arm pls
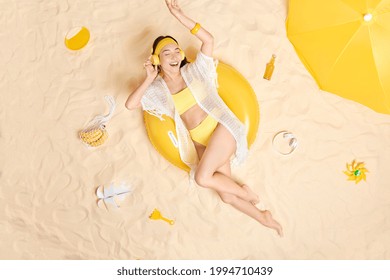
(134, 100)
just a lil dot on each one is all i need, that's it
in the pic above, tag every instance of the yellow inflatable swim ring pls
(238, 95)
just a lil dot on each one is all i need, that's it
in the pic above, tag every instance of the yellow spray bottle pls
(269, 69)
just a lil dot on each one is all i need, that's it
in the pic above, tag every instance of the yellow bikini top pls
(183, 100)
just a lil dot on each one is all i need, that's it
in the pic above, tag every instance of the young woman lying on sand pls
(209, 134)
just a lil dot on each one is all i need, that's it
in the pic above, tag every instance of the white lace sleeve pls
(206, 67)
(151, 104)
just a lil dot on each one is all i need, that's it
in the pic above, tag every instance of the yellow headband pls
(163, 43)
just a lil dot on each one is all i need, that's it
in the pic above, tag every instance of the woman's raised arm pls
(195, 28)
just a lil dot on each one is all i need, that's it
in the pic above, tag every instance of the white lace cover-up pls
(200, 77)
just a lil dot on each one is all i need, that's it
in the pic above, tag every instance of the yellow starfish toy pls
(356, 171)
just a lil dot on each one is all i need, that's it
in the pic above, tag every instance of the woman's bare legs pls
(218, 151)
(221, 140)
(263, 217)
(224, 169)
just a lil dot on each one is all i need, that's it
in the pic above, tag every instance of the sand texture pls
(48, 178)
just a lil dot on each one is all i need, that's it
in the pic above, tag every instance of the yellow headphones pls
(166, 41)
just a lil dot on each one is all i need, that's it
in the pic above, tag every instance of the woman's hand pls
(173, 7)
(151, 70)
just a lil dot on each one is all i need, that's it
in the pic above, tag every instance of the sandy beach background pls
(48, 178)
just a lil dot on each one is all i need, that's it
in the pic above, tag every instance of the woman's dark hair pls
(158, 39)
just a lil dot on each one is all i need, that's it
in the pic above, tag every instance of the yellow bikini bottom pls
(204, 130)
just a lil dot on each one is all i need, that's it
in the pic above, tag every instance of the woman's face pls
(170, 58)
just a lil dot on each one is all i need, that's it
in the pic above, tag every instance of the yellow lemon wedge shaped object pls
(77, 38)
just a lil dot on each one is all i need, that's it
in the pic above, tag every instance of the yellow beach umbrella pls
(345, 45)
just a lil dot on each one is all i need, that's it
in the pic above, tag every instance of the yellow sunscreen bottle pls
(269, 69)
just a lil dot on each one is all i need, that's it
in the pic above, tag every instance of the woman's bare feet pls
(252, 197)
(272, 223)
